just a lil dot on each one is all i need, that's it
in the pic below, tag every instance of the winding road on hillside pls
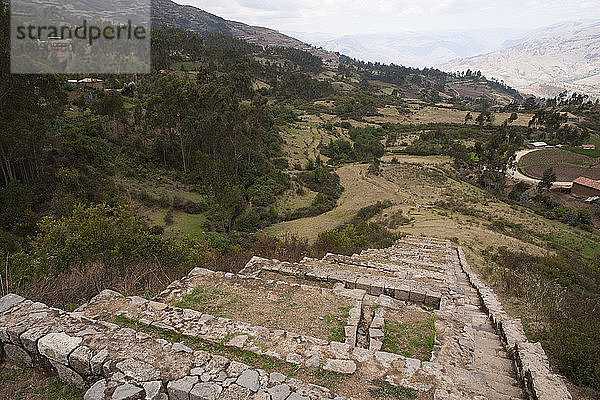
(514, 172)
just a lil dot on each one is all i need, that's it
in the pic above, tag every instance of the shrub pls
(350, 238)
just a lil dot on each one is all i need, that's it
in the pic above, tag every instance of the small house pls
(538, 145)
(585, 187)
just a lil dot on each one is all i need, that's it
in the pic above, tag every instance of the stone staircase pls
(266, 333)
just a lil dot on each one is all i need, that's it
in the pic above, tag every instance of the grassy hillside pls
(226, 141)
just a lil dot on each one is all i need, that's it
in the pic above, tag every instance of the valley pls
(261, 219)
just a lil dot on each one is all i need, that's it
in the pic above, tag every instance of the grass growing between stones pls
(414, 339)
(337, 323)
(384, 390)
(20, 383)
(320, 377)
(212, 301)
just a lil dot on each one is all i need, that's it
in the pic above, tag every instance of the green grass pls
(556, 157)
(583, 152)
(337, 323)
(594, 139)
(191, 225)
(414, 340)
(25, 383)
(212, 301)
(384, 390)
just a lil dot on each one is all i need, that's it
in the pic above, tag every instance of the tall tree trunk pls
(4, 174)
(182, 152)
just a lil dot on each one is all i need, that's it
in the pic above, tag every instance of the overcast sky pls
(388, 16)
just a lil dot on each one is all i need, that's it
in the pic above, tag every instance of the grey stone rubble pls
(480, 353)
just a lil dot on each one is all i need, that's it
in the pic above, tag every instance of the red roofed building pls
(585, 187)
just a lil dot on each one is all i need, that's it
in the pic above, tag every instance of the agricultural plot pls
(422, 114)
(567, 165)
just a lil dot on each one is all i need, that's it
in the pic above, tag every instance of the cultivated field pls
(567, 165)
(423, 114)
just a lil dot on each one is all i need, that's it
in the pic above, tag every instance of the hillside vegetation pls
(230, 149)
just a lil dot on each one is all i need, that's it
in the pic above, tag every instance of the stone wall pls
(532, 365)
(117, 363)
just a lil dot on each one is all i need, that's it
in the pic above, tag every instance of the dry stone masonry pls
(479, 351)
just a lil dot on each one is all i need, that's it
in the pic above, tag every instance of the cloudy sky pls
(341, 17)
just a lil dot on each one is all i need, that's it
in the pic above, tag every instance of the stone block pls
(417, 296)
(313, 362)
(279, 392)
(58, 346)
(181, 388)
(97, 361)
(127, 391)
(14, 332)
(137, 370)
(377, 287)
(276, 378)
(153, 390)
(249, 380)
(68, 376)
(296, 396)
(9, 301)
(79, 360)
(18, 355)
(375, 333)
(375, 344)
(347, 367)
(205, 391)
(363, 284)
(340, 350)
(97, 391)
(402, 292)
(235, 392)
(377, 323)
(432, 299)
(235, 369)
(30, 337)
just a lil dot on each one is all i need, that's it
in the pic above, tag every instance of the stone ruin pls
(480, 352)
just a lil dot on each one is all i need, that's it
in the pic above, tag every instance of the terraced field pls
(567, 165)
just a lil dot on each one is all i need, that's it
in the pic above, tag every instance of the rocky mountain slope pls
(546, 62)
(169, 13)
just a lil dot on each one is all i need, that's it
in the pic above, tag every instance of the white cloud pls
(363, 16)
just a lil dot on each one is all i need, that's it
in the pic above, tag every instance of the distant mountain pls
(545, 61)
(412, 48)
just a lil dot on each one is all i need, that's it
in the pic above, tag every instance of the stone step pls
(400, 289)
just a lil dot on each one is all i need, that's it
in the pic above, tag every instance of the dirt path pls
(360, 191)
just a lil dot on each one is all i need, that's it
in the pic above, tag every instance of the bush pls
(322, 203)
(351, 239)
(114, 236)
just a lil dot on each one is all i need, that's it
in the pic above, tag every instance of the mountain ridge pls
(559, 58)
(169, 13)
